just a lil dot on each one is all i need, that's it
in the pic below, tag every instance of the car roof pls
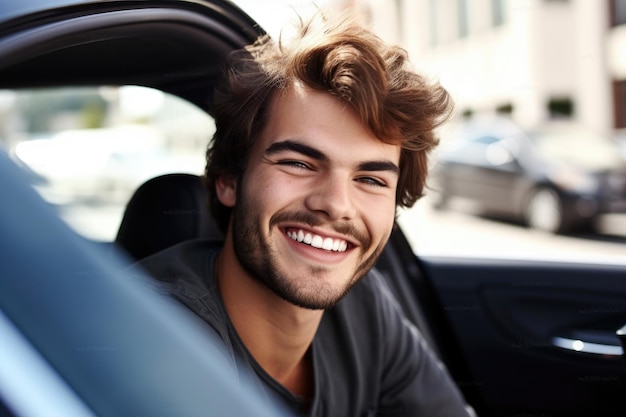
(18, 11)
(13, 9)
(177, 46)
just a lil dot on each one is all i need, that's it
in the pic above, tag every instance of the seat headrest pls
(164, 211)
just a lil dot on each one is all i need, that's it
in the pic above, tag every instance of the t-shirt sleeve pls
(414, 381)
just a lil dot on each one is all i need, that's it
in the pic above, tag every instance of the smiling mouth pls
(317, 241)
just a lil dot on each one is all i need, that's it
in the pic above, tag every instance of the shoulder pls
(184, 271)
(180, 260)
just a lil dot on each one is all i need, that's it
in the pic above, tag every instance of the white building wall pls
(384, 15)
(593, 87)
(545, 49)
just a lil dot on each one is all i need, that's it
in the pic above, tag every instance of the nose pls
(332, 196)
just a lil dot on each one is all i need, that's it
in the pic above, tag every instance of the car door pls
(524, 337)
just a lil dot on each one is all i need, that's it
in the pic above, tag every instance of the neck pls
(277, 333)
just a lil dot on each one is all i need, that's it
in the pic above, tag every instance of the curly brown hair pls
(342, 58)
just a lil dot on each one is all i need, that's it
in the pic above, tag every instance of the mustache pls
(312, 220)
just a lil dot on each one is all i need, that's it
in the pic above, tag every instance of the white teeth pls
(329, 244)
(317, 241)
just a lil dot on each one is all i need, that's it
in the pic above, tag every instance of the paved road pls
(460, 233)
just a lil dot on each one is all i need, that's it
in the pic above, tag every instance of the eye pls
(372, 181)
(294, 163)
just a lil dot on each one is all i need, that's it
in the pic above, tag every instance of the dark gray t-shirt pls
(368, 360)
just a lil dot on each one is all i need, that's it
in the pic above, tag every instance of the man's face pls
(316, 204)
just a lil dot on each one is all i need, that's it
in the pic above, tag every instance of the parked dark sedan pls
(557, 178)
(78, 337)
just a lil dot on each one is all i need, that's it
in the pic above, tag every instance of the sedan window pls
(584, 148)
(87, 149)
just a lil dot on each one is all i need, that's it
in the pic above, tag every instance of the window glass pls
(618, 12)
(87, 149)
(433, 9)
(582, 148)
(463, 18)
(498, 12)
(486, 210)
(471, 151)
(539, 55)
(531, 63)
(619, 101)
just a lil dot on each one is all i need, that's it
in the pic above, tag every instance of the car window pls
(87, 149)
(474, 150)
(504, 72)
(515, 77)
(579, 147)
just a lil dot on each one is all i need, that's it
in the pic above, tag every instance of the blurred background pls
(532, 165)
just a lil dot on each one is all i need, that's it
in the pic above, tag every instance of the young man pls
(317, 143)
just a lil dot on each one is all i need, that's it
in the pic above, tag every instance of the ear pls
(226, 189)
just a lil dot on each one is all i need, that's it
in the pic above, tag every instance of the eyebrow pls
(379, 166)
(295, 146)
(290, 145)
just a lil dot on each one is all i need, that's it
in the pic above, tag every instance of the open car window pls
(87, 149)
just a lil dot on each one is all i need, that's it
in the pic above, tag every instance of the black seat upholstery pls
(164, 211)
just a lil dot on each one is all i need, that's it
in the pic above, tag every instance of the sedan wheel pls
(544, 211)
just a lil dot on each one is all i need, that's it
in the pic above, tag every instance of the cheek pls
(272, 191)
(379, 218)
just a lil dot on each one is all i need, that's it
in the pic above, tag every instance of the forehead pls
(325, 122)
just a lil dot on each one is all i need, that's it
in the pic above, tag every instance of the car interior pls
(171, 51)
(490, 321)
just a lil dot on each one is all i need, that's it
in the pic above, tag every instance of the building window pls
(434, 27)
(463, 17)
(619, 99)
(561, 107)
(467, 113)
(400, 19)
(505, 109)
(617, 11)
(497, 12)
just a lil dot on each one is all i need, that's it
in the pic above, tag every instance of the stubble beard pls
(260, 260)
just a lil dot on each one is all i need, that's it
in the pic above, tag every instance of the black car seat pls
(165, 210)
